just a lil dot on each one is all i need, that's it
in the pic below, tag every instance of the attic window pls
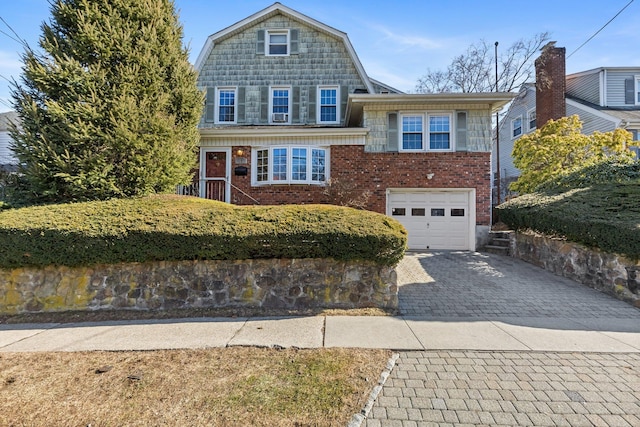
(277, 43)
(282, 42)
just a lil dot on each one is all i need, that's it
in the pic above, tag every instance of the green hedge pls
(187, 228)
(609, 171)
(606, 216)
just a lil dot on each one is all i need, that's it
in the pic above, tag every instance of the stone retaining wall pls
(607, 272)
(286, 283)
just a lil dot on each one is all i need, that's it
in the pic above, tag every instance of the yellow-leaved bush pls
(559, 148)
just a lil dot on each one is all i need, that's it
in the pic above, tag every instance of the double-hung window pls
(280, 104)
(412, 132)
(226, 105)
(531, 119)
(516, 127)
(291, 165)
(426, 132)
(439, 132)
(328, 108)
(277, 43)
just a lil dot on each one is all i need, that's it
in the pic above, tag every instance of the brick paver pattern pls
(477, 388)
(472, 388)
(481, 285)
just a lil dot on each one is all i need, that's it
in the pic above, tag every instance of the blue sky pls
(398, 42)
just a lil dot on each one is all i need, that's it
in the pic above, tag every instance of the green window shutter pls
(293, 41)
(392, 132)
(241, 105)
(344, 97)
(295, 105)
(629, 91)
(311, 108)
(260, 43)
(210, 105)
(461, 131)
(264, 104)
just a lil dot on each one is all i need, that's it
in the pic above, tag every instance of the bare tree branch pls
(474, 70)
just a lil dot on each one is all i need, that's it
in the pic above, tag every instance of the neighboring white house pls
(604, 98)
(7, 159)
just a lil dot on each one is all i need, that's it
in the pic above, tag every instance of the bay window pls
(290, 165)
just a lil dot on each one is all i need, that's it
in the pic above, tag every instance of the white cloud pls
(408, 41)
(382, 73)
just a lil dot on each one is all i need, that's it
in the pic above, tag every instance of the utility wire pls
(15, 36)
(603, 27)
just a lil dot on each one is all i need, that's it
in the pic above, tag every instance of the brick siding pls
(375, 172)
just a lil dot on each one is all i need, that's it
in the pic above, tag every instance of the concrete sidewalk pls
(398, 333)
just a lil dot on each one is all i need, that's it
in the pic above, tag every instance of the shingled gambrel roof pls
(275, 9)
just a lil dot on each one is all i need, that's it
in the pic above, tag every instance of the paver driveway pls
(478, 387)
(481, 285)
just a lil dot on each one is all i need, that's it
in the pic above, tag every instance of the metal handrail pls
(257, 202)
(194, 189)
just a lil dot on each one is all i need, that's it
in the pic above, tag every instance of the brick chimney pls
(551, 84)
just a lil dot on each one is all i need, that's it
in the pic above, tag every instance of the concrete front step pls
(500, 242)
(498, 250)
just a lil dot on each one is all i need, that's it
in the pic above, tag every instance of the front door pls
(215, 176)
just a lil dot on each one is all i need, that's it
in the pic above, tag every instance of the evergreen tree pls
(109, 106)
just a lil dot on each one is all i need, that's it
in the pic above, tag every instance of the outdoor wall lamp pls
(429, 175)
(239, 152)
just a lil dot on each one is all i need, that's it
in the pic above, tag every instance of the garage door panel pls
(433, 219)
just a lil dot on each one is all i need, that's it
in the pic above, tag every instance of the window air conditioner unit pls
(280, 117)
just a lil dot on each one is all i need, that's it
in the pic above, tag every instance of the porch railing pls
(214, 190)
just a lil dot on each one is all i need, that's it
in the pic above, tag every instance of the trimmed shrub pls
(611, 170)
(606, 216)
(170, 227)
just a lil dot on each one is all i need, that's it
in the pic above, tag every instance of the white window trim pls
(529, 128)
(271, 89)
(513, 128)
(267, 39)
(425, 131)
(289, 181)
(319, 106)
(216, 118)
(636, 79)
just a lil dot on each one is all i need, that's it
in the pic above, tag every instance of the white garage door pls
(434, 219)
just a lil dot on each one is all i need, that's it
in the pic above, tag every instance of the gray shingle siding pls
(586, 87)
(478, 126)
(520, 106)
(590, 121)
(616, 88)
(322, 60)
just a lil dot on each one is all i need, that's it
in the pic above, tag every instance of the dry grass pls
(213, 387)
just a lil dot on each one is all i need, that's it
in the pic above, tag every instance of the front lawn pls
(213, 387)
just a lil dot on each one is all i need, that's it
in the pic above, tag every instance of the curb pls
(357, 419)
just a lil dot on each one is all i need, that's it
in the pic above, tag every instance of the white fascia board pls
(496, 100)
(278, 131)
